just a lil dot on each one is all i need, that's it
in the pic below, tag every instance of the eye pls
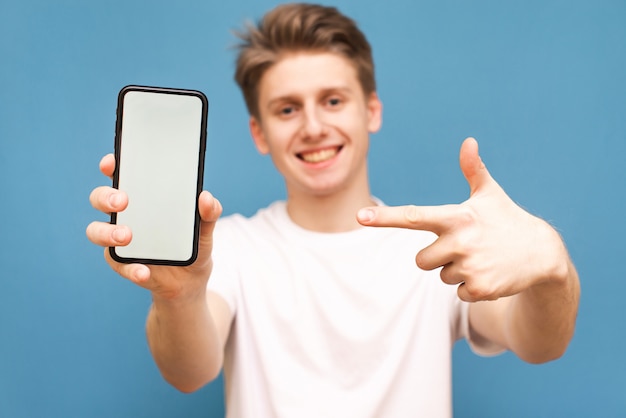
(334, 101)
(286, 110)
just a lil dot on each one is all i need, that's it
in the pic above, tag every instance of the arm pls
(512, 264)
(187, 337)
(187, 326)
(538, 323)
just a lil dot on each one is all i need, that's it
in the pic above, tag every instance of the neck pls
(334, 212)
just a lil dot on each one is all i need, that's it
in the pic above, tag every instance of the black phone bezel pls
(200, 175)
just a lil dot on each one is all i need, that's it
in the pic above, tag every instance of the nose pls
(313, 126)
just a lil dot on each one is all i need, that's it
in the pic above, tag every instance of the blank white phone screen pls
(158, 169)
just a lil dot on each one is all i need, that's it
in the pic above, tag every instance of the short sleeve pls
(480, 346)
(224, 276)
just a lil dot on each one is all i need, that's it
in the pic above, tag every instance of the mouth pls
(320, 155)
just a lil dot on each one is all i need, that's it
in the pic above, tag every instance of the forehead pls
(307, 73)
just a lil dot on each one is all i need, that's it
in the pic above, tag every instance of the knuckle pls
(94, 197)
(411, 214)
(466, 216)
(465, 244)
(90, 231)
(424, 262)
(99, 198)
(420, 261)
(479, 291)
(447, 277)
(94, 233)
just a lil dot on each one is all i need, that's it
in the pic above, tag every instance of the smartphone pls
(160, 142)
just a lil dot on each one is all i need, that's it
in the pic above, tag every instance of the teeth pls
(319, 156)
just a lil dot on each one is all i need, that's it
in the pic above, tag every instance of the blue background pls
(541, 84)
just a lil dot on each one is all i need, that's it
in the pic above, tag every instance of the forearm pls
(184, 341)
(539, 322)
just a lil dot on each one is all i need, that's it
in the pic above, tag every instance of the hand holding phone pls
(160, 145)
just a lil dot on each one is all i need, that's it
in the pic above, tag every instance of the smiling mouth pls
(319, 155)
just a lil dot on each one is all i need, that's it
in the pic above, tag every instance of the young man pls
(312, 311)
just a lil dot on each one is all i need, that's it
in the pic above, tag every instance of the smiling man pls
(310, 309)
(314, 120)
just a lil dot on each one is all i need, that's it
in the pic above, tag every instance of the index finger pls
(436, 219)
(107, 199)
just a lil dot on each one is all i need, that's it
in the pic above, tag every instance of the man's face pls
(315, 123)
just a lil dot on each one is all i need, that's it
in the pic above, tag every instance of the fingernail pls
(366, 215)
(119, 234)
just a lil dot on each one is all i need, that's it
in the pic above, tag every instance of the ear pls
(258, 136)
(374, 113)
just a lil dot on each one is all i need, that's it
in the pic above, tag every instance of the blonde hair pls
(298, 27)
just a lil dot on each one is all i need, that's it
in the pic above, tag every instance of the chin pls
(326, 190)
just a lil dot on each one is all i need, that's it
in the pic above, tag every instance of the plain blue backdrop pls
(540, 84)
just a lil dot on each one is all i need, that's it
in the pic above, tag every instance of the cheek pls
(278, 135)
(357, 129)
(353, 117)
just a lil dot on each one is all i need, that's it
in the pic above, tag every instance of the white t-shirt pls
(333, 325)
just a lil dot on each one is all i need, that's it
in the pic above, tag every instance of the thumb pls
(472, 166)
(210, 210)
